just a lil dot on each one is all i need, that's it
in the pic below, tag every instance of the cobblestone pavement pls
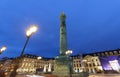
(92, 75)
(105, 75)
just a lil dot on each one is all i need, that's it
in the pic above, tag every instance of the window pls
(111, 53)
(77, 65)
(93, 64)
(80, 65)
(115, 52)
(90, 65)
(106, 53)
(119, 51)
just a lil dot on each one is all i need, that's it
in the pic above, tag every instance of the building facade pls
(34, 64)
(88, 63)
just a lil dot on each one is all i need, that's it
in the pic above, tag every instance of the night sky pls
(92, 26)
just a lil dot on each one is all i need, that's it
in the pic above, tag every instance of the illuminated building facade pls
(33, 64)
(88, 63)
(92, 63)
(5, 65)
(109, 60)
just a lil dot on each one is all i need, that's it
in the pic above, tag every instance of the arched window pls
(115, 53)
(111, 53)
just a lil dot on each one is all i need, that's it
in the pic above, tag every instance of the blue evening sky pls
(92, 26)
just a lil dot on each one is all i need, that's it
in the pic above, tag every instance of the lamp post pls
(3, 49)
(29, 33)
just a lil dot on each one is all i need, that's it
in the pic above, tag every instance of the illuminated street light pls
(3, 49)
(29, 32)
(69, 52)
(39, 57)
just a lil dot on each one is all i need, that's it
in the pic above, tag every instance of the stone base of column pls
(62, 70)
(63, 66)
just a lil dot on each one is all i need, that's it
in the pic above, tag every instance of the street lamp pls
(39, 57)
(69, 52)
(29, 33)
(3, 49)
